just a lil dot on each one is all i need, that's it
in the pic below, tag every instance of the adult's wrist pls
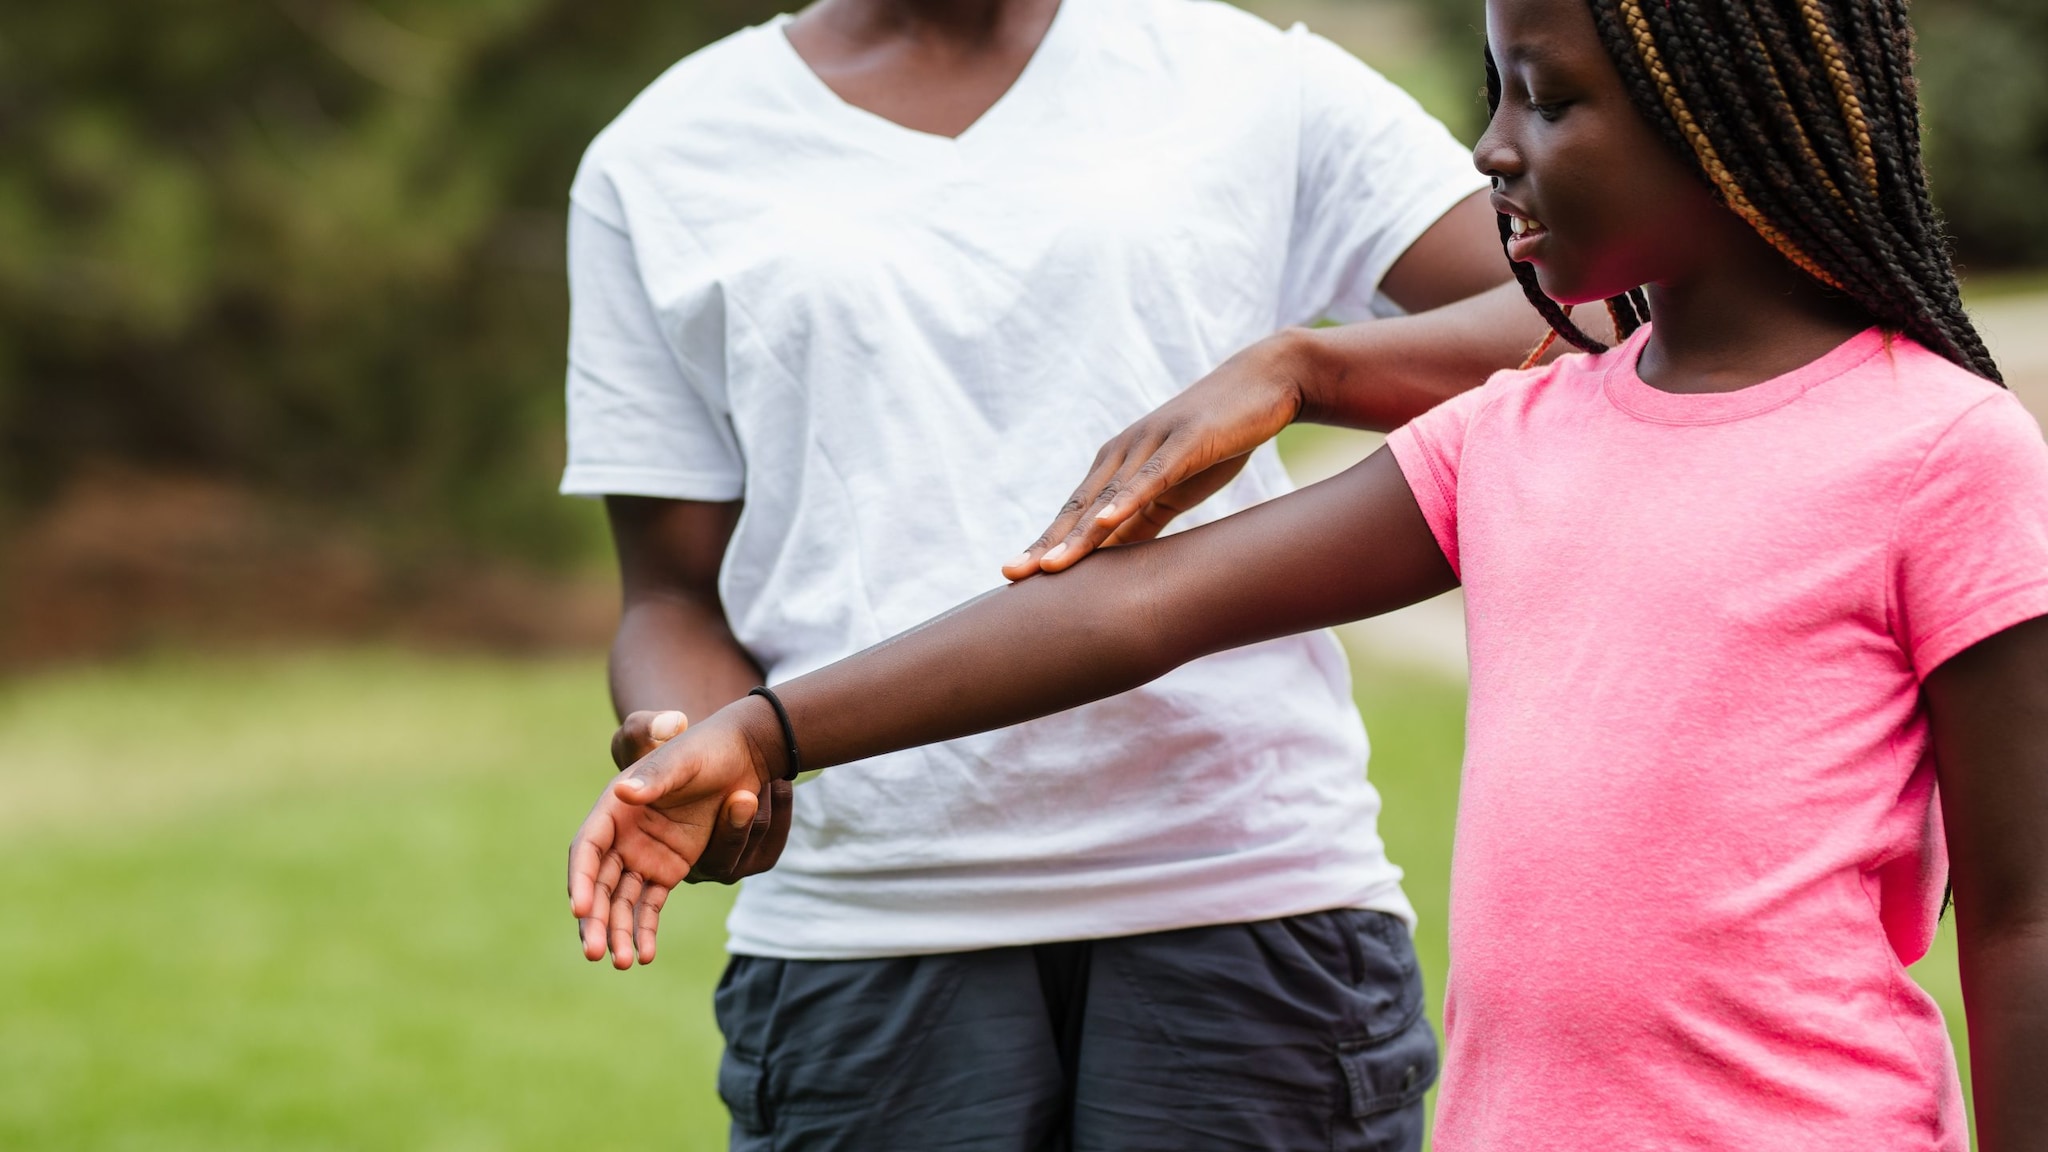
(1300, 361)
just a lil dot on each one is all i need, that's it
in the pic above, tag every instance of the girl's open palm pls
(651, 825)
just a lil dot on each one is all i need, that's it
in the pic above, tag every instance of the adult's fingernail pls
(1018, 561)
(1053, 556)
(666, 725)
(1107, 515)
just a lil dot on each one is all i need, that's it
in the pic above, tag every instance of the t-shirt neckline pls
(1039, 72)
(1626, 389)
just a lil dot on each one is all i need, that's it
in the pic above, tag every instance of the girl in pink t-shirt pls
(1756, 605)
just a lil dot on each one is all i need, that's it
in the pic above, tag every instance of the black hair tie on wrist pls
(796, 762)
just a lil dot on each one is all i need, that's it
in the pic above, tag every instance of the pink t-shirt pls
(1698, 841)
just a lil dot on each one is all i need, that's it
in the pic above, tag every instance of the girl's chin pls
(1568, 290)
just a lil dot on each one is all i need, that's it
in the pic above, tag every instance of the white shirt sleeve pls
(639, 425)
(1375, 172)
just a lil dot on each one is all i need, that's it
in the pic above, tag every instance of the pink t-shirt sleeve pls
(1429, 449)
(1970, 552)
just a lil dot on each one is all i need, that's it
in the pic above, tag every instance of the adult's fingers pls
(1128, 494)
(765, 848)
(737, 819)
(623, 900)
(647, 920)
(1116, 459)
(643, 731)
(1149, 521)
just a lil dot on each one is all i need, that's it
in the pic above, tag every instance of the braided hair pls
(1802, 116)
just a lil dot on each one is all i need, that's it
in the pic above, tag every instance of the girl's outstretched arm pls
(1353, 546)
(1989, 708)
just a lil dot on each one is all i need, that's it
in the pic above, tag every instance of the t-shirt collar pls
(1033, 85)
(1626, 390)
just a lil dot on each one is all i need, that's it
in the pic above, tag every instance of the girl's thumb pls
(643, 784)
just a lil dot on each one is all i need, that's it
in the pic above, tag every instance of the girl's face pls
(1600, 199)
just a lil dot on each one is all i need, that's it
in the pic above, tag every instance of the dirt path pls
(2016, 328)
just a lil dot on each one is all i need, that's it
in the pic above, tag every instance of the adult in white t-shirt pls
(855, 296)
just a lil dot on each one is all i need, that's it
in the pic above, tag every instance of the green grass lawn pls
(315, 902)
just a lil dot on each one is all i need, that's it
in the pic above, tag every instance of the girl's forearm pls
(1988, 708)
(1028, 650)
(2005, 985)
(1349, 547)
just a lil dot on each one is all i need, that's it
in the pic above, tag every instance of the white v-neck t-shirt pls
(903, 350)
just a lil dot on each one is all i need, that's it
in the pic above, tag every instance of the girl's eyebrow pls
(1526, 52)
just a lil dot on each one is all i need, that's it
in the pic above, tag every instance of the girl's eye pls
(1548, 111)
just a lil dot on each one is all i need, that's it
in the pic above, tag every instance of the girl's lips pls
(1525, 236)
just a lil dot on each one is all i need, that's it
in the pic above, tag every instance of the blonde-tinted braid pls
(1703, 148)
(1837, 68)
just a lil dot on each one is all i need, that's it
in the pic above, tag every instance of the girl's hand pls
(654, 822)
(1176, 457)
(738, 848)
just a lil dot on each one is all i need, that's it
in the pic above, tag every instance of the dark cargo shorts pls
(1295, 1034)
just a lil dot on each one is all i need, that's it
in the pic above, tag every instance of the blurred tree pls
(309, 246)
(1984, 101)
(313, 247)
(1984, 93)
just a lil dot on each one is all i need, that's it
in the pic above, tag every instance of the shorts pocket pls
(739, 1085)
(1385, 1074)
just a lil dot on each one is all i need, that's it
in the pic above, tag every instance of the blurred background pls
(300, 656)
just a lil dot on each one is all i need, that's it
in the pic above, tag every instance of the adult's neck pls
(969, 22)
(1739, 317)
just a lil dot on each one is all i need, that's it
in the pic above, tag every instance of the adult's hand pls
(655, 821)
(1467, 319)
(740, 846)
(1176, 457)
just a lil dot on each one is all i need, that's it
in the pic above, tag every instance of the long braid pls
(1802, 116)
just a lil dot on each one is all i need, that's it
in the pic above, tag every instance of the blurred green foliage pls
(312, 246)
(1984, 91)
(1984, 106)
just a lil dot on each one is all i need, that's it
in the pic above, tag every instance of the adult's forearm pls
(1381, 374)
(674, 652)
(2005, 986)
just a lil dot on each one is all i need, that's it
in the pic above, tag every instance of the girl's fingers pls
(597, 921)
(590, 930)
(647, 920)
(630, 887)
(657, 774)
(608, 873)
(586, 854)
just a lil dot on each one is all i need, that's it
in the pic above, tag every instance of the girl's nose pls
(1494, 158)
